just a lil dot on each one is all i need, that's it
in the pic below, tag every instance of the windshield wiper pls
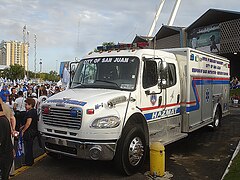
(110, 82)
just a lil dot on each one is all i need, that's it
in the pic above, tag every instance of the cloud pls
(69, 29)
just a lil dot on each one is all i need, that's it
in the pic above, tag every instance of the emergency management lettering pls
(107, 60)
(164, 113)
(204, 71)
(209, 60)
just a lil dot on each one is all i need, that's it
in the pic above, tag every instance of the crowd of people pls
(234, 83)
(19, 112)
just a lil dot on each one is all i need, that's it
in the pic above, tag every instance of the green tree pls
(51, 76)
(13, 72)
(17, 72)
(31, 75)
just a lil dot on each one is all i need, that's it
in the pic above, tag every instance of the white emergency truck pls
(119, 101)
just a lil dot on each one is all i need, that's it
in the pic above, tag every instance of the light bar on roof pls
(123, 46)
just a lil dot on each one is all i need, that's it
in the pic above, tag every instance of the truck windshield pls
(106, 72)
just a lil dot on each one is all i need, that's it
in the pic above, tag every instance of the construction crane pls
(171, 19)
(174, 13)
(156, 18)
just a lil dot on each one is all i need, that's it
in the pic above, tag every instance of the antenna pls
(24, 47)
(156, 18)
(35, 59)
(78, 38)
(174, 13)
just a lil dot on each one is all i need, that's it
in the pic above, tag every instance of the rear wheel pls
(131, 150)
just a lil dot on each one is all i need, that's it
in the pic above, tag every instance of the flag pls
(25, 78)
(20, 146)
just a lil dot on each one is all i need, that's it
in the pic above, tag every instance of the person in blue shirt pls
(4, 93)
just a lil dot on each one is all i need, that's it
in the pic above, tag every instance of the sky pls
(69, 29)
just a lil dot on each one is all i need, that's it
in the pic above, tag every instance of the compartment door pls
(206, 102)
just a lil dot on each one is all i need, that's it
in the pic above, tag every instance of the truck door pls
(151, 95)
(160, 99)
(160, 102)
(206, 103)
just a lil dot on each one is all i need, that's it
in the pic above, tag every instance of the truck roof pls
(179, 50)
(131, 52)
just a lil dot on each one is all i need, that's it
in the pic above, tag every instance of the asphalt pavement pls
(204, 154)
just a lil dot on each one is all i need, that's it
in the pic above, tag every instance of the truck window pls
(87, 75)
(171, 79)
(107, 72)
(150, 76)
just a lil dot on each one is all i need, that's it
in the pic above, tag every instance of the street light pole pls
(40, 70)
(56, 65)
(28, 46)
(40, 63)
(35, 60)
(24, 48)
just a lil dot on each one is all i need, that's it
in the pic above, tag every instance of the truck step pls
(168, 139)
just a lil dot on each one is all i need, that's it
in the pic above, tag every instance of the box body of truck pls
(120, 101)
(206, 78)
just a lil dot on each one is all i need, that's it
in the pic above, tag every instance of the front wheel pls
(131, 150)
(217, 119)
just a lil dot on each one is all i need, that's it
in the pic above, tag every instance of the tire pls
(217, 119)
(131, 150)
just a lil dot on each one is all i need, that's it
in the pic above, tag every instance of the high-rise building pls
(13, 52)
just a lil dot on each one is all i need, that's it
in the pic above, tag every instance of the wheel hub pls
(216, 122)
(135, 151)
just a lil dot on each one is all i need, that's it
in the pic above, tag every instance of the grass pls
(234, 171)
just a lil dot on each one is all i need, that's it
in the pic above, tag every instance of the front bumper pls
(99, 150)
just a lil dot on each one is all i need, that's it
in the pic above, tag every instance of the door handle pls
(178, 98)
(159, 100)
(147, 92)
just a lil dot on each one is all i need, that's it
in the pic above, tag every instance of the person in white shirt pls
(66, 76)
(41, 99)
(19, 110)
(34, 96)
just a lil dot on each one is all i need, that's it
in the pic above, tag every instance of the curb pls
(233, 156)
(24, 168)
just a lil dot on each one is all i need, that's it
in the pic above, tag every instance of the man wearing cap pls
(34, 96)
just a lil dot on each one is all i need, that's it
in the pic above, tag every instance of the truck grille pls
(61, 148)
(63, 117)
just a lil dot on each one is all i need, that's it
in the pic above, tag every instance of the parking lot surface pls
(204, 154)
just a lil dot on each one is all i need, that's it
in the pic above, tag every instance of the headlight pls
(106, 122)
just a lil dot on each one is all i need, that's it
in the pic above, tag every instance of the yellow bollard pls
(157, 159)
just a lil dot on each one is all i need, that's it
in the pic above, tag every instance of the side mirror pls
(162, 74)
(163, 65)
(73, 66)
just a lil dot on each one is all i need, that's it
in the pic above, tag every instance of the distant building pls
(216, 31)
(13, 52)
